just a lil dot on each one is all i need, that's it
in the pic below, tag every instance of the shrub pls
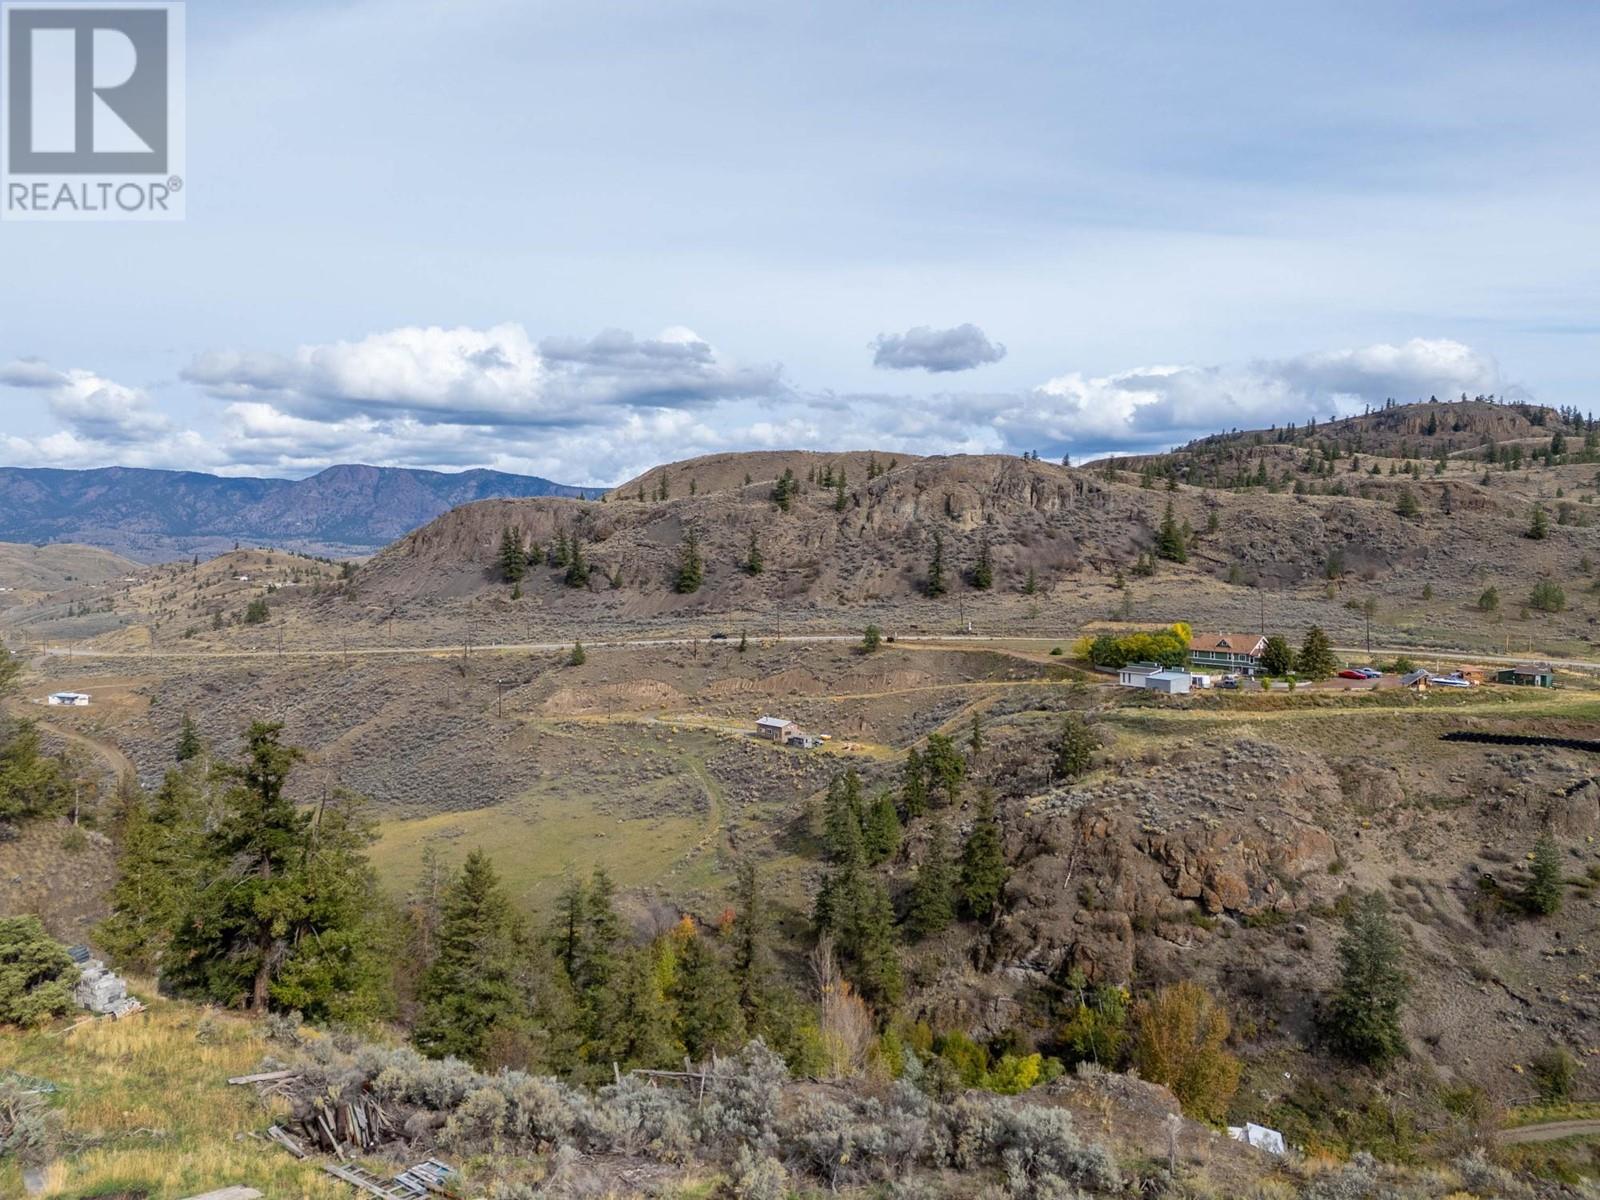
(1179, 1042)
(1555, 1071)
(756, 1177)
(36, 973)
(29, 1127)
(1547, 597)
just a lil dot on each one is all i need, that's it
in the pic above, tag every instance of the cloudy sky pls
(579, 238)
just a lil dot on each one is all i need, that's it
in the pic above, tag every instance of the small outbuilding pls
(1170, 682)
(774, 729)
(1417, 680)
(1528, 675)
(68, 699)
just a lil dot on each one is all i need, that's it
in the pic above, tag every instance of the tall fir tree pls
(945, 767)
(752, 945)
(706, 999)
(754, 563)
(932, 904)
(691, 566)
(880, 833)
(161, 867)
(1316, 659)
(189, 744)
(1169, 539)
(983, 863)
(513, 558)
(936, 585)
(1363, 1017)
(473, 991)
(1542, 895)
(983, 568)
(914, 785)
(1075, 748)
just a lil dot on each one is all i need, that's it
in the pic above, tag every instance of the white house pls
(1134, 674)
(68, 699)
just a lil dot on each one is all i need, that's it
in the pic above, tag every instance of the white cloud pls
(94, 410)
(598, 410)
(483, 377)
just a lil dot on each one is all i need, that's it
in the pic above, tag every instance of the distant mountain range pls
(158, 515)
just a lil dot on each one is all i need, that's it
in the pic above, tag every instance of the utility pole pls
(499, 698)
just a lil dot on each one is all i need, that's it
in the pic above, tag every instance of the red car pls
(1352, 673)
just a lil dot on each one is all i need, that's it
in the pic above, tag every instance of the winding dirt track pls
(1549, 1131)
(118, 763)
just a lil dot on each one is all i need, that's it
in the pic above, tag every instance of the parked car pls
(1353, 673)
(1230, 682)
(719, 637)
(1371, 672)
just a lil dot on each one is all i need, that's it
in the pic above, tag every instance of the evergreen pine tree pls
(1169, 540)
(706, 998)
(1406, 505)
(751, 945)
(975, 736)
(783, 492)
(1316, 660)
(880, 834)
(944, 766)
(189, 743)
(1539, 528)
(578, 656)
(1031, 587)
(638, 1026)
(231, 942)
(1542, 895)
(513, 559)
(983, 569)
(840, 496)
(754, 564)
(936, 585)
(914, 785)
(932, 908)
(561, 552)
(161, 868)
(1074, 748)
(691, 567)
(1363, 1020)
(983, 863)
(473, 987)
(577, 575)
(842, 819)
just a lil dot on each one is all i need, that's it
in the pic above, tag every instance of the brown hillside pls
(727, 472)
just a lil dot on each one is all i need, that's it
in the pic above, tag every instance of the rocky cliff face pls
(1232, 831)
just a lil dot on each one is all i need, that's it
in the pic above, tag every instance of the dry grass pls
(146, 1108)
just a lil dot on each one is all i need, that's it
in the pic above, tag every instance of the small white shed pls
(68, 699)
(1172, 683)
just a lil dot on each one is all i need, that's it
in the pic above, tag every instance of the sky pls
(580, 239)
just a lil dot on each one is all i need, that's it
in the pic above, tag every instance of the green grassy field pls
(643, 837)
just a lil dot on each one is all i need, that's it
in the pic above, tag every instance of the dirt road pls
(1550, 1131)
(115, 761)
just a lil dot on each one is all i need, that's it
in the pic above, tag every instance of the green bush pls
(36, 973)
